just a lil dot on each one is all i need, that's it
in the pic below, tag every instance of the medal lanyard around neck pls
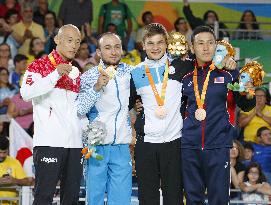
(160, 100)
(52, 60)
(200, 99)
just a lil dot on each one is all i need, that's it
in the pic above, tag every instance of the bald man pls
(53, 85)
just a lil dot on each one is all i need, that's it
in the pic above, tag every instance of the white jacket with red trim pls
(54, 111)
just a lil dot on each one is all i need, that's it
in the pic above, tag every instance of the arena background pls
(167, 11)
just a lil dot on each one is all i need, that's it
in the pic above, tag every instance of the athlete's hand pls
(64, 69)
(102, 80)
(138, 106)
(228, 63)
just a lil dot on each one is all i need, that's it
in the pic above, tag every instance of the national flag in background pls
(21, 147)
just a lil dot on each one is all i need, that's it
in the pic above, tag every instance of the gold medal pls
(160, 112)
(200, 114)
(110, 71)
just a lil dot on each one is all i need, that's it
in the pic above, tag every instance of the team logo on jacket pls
(171, 70)
(29, 80)
(219, 80)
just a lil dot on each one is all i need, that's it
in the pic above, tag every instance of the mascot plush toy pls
(252, 73)
(177, 44)
(223, 49)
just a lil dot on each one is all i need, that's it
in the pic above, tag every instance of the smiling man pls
(105, 98)
(158, 127)
(57, 138)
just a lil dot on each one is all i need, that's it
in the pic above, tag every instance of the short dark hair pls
(40, 54)
(260, 130)
(202, 29)
(111, 24)
(10, 12)
(103, 35)
(19, 58)
(84, 41)
(154, 29)
(248, 145)
(4, 143)
(144, 15)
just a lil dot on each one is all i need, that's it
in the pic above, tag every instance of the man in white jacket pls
(53, 85)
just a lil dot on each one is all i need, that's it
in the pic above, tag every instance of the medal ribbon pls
(160, 100)
(200, 99)
(52, 60)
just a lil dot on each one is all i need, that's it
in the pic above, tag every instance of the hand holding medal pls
(74, 73)
(223, 49)
(105, 76)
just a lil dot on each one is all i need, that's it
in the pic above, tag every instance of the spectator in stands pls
(258, 117)
(112, 28)
(26, 29)
(76, 12)
(237, 168)
(40, 12)
(262, 151)
(8, 5)
(11, 18)
(255, 186)
(95, 59)
(41, 55)
(20, 62)
(5, 25)
(11, 172)
(86, 34)
(248, 153)
(7, 91)
(249, 28)
(117, 13)
(147, 18)
(209, 18)
(21, 111)
(36, 46)
(50, 30)
(83, 56)
(5, 57)
(182, 26)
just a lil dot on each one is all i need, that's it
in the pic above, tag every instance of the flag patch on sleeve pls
(219, 80)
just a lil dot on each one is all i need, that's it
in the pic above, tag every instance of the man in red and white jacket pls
(53, 85)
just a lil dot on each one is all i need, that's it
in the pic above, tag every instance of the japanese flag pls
(21, 147)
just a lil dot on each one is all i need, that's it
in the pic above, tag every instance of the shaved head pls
(68, 41)
(66, 28)
(104, 35)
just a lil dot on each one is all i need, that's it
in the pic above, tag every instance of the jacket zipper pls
(115, 135)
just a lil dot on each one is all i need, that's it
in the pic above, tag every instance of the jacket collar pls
(156, 63)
